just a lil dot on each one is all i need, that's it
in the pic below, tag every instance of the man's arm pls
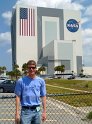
(17, 104)
(44, 108)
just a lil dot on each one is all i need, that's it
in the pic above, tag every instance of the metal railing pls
(61, 108)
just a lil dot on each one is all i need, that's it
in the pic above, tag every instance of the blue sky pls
(85, 6)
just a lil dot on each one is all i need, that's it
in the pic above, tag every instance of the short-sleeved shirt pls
(30, 90)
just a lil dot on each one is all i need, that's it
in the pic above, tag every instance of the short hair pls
(31, 62)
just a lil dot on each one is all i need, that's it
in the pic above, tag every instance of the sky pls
(6, 7)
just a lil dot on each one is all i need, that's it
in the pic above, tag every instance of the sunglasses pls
(31, 67)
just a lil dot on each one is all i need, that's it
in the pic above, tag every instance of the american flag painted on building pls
(27, 22)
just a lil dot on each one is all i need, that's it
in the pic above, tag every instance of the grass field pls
(73, 84)
(71, 96)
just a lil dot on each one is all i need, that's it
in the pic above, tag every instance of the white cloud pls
(87, 32)
(71, 6)
(88, 11)
(87, 46)
(84, 20)
(32, 2)
(7, 16)
(5, 37)
(64, 4)
(9, 50)
(87, 41)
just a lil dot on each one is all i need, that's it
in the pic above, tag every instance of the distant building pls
(50, 36)
(87, 70)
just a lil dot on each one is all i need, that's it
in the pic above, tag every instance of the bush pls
(89, 115)
(86, 86)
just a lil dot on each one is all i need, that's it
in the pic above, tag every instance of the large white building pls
(50, 36)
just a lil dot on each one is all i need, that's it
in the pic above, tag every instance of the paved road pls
(78, 78)
(57, 112)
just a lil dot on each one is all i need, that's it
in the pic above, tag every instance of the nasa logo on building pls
(72, 25)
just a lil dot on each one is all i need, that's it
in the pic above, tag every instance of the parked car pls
(71, 77)
(1, 80)
(7, 86)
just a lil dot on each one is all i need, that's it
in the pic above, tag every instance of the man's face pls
(31, 69)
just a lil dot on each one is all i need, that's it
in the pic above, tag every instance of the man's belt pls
(31, 107)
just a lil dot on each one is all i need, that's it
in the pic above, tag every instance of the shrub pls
(86, 86)
(89, 115)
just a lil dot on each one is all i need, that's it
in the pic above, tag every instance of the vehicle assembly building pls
(50, 36)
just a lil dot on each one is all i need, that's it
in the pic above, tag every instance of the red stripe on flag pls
(34, 22)
(22, 27)
(27, 26)
(31, 22)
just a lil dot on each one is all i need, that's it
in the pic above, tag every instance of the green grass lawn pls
(75, 100)
(74, 84)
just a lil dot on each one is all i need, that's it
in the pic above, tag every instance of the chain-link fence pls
(61, 108)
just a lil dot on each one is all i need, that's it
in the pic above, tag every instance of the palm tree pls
(37, 72)
(82, 71)
(2, 69)
(15, 66)
(72, 72)
(62, 69)
(16, 71)
(57, 68)
(42, 69)
(24, 68)
(11, 74)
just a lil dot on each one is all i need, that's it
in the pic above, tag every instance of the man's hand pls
(17, 119)
(43, 116)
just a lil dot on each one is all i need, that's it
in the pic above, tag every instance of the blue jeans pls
(29, 116)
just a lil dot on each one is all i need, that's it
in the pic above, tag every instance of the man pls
(28, 91)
